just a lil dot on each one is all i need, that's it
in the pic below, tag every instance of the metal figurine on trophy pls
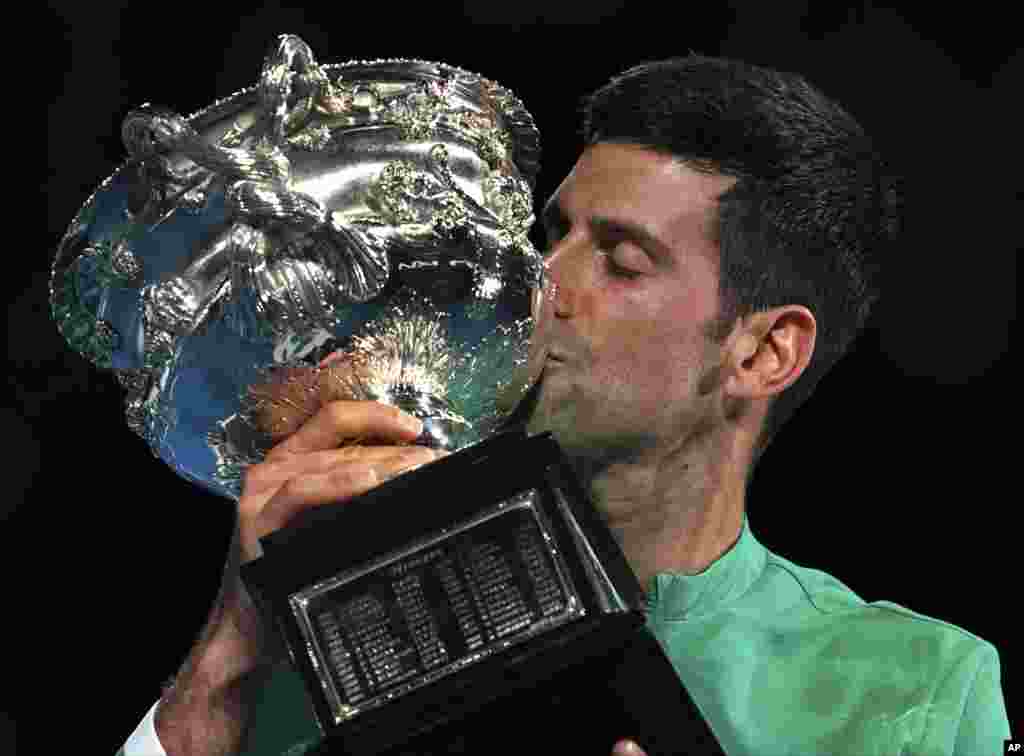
(359, 231)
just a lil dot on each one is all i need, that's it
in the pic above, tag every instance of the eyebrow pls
(553, 217)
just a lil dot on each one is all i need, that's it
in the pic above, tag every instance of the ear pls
(769, 351)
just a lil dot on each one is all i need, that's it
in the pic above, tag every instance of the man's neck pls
(671, 512)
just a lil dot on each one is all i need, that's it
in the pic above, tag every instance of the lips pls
(553, 357)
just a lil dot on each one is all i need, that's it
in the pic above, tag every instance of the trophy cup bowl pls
(355, 230)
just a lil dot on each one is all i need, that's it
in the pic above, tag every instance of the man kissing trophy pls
(360, 231)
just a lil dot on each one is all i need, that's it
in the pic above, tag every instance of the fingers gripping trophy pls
(359, 231)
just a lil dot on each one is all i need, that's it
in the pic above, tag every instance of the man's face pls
(621, 335)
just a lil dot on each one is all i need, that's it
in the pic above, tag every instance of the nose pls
(567, 273)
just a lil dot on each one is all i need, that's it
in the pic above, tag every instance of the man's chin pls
(568, 441)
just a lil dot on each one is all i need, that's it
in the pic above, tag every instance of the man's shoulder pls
(916, 677)
(901, 631)
(897, 614)
(805, 664)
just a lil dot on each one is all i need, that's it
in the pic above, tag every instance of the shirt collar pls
(676, 596)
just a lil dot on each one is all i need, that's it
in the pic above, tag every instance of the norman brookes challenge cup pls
(368, 215)
(357, 231)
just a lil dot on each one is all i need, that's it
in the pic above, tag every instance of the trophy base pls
(479, 594)
(630, 692)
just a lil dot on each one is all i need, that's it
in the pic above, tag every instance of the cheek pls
(649, 371)
(648, 348)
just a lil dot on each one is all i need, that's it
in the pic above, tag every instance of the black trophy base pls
(631, 692)
(475, 602)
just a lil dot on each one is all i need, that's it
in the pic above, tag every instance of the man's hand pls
(309, 469)
(205, 711)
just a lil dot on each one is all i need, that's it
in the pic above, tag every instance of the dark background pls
(897, 478)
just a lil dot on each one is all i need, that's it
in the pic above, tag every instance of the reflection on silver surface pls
(323, 211)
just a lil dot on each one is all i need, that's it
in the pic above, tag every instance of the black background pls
(899, 477)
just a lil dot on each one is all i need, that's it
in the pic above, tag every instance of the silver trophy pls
(358, 231)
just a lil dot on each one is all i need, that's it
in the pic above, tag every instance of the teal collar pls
(675, 596)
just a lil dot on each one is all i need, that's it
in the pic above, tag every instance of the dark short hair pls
(813, 207)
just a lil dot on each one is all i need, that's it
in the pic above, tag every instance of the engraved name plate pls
(434, 608)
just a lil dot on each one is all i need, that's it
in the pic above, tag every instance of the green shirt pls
(784, 660)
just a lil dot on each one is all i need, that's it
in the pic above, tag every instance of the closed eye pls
(615, 269)
(618, 271)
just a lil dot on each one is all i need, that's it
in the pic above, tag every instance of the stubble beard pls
(591, 449)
